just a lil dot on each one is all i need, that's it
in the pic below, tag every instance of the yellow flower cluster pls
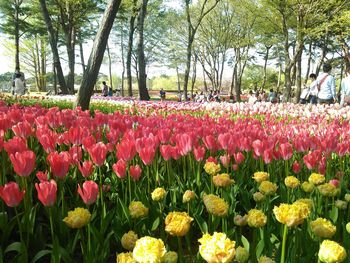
(149, 249)
(291, 182)
(222, 180)
(316, 179)
(188, 196)
(267, 188)
(170, 257)
(158, 194)
(292, 214)
(125, 258)
(258, 197)
(322, 228)
(340, 204)
(215, 205)
(178, 223)
(261, 176)
(216, 248)
(265, 259)
(331, 252)
(256, 218)
(129, 240)
(242, 255)
(328, 190)
(77, 218)
(305, 201)
(137, 209)
(307, 187)
(212, 168)
(347, 197)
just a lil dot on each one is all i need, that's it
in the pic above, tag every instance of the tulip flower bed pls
(153, 185)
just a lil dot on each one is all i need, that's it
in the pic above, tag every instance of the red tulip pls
(210, 143)
(76, 154)
(120, 168)
(47, 138)
(135, 172)
(199, 153)
(225, 160)
(47, 192)
(267, 156)
(23, 129)
(296, 167)
(184, 143)
(89, 192)
(11, 194)
(59, 163)
(212, 159)
(286, 151)
(224, 140)
(147, 154)
(86, 169)
(258, 147)
(334, 182)
(88, 142)
(23, 162)
(311, 159)
(239, 157)
(126, 150)
(42, 176)
(165, 151)
(16, 144)
(98, 153)
(164, 135)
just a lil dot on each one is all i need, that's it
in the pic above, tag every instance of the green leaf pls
(259, 248)
(155, 224)
(125, 210)
(201, 223)
(40, 254)
(15, 246)
(245, 243)
(334, 214)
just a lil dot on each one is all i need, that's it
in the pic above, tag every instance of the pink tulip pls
(89, 192)
(47, 192)
(59, 163)
(98, 153)
(86, 168)
(135, 172)
(120, 168)
(11, 194)
(42, 176)
(334, 182)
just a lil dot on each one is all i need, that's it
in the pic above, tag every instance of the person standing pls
(14, 76)
(326, 86)
(313, 91)
(19, 88)
(345, 90)
(104, 89)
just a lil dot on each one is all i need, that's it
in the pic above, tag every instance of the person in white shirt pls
(326, 86)
(345, 89)
(313, 91)
(19, 88)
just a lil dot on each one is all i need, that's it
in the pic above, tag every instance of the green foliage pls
(253, 76)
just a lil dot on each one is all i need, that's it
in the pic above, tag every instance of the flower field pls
(171, 182)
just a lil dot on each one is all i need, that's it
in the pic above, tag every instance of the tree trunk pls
(96, 56)
(37, 67)
(279, 80)
(298, 78)
(266, 58)
(346, 53)
(109, 66)
(17, 5)
(71, 59)
(53, 44)
(81, 53)
(308, 63)
(54, 78)
(194, 74)
(130, 46)
(178, 80)
(320, 62)
(142, 79)
(123, 60)
(43, 63)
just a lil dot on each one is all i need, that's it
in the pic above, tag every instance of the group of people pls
(322, 89)
(272, 96)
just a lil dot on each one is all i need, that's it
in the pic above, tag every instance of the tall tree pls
(53, 43)
(193, 22)
(142, 76)
(96, 56)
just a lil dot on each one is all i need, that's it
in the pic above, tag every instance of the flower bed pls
(146, 179)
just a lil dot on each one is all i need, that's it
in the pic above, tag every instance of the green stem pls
(284, 241)
(101, 194)
(129, 182)
(54, 258)
(181, 254)
(19, 226)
